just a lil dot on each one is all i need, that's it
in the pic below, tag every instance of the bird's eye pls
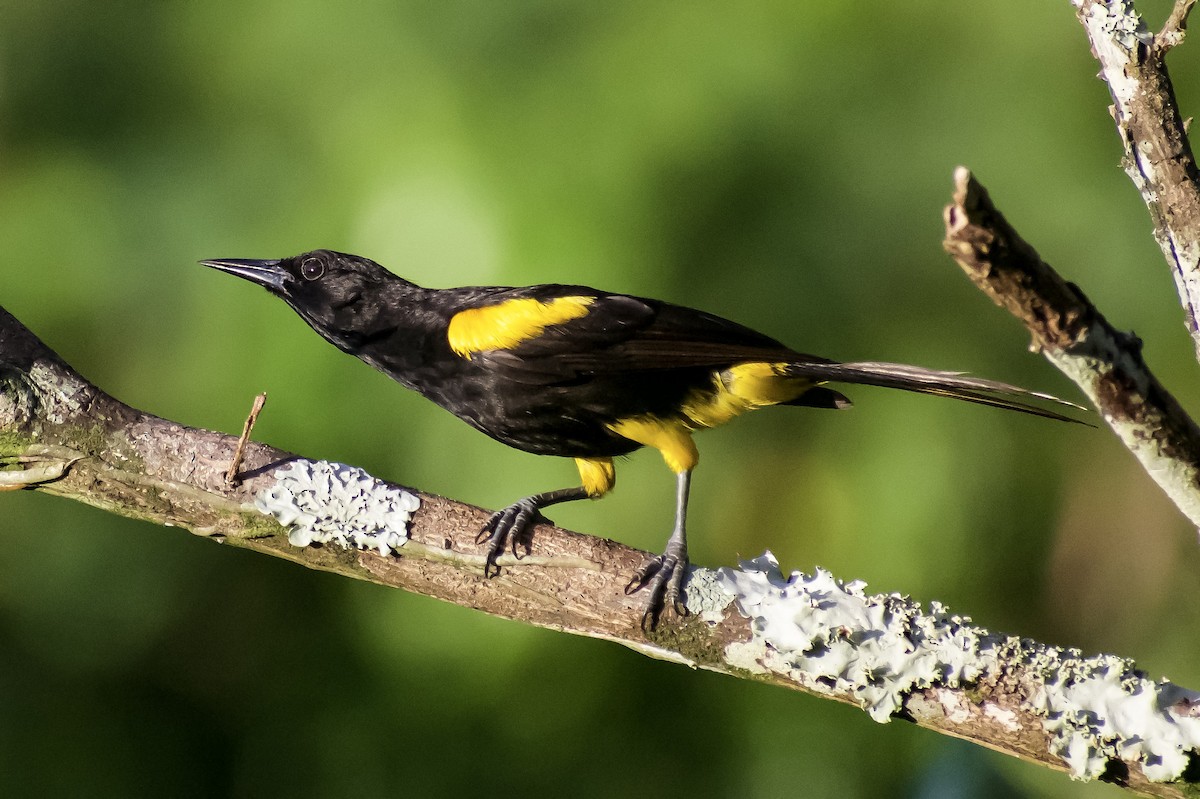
(312, 269)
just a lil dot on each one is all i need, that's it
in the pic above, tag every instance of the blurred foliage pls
(781, 163)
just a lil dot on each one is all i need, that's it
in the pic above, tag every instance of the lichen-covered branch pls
(1173, 31)
(1097, 718)
(1158, 154)
(1105, 363)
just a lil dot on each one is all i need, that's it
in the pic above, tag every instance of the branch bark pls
(1095, 717)
(1158, 154)
(1175, 28)
(1105, 363)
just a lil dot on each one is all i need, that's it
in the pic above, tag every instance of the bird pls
(576, 372)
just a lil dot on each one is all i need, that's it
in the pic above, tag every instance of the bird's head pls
(334, 292)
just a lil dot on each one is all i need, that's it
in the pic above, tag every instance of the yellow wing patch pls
(507, 324)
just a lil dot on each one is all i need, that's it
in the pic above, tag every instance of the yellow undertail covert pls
(507, 324)
(734, 391)
(739, 389)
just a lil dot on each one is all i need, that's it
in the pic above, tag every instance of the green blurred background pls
(781, 163)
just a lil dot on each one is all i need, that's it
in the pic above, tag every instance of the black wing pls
(625, 334)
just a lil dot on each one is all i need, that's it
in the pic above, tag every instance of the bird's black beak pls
(269, 274)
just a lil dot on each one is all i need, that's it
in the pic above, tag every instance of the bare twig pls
(1104, 362)
(231, 475)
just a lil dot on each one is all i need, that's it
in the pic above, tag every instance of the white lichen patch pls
(954, 705)
(1101, 708)
(1119, 20)
(874, 648)
(832, 636)
(705, 597)
(323, 502)
(1002, 716)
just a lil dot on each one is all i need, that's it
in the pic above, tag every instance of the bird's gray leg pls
(664, 574)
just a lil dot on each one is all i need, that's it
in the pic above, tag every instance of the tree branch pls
(1097, 718)
(1158, 155)
(1105, 363)
(1176, 25)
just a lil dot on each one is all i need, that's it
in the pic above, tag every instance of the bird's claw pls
(664, 576)
(513, 524)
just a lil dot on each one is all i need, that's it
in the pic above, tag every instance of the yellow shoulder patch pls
(507, 324)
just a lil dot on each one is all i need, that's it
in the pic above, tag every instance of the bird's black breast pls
(568, 418)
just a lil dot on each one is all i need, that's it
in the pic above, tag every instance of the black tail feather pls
(938, 383)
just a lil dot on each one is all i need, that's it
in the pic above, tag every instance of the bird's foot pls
(514, 524)
(663, 575)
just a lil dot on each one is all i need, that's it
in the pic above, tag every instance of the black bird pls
(579, 373)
